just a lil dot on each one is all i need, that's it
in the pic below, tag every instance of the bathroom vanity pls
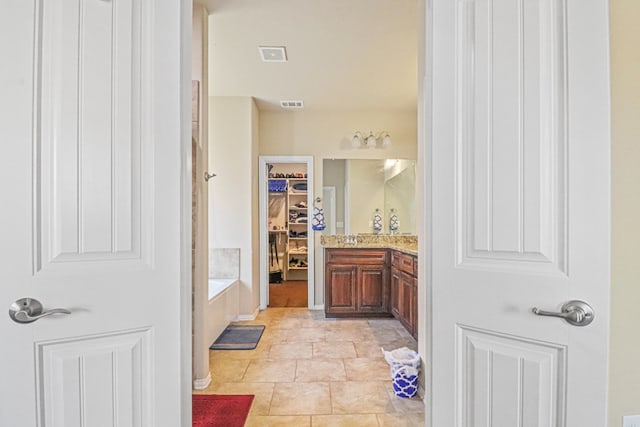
(372, 279)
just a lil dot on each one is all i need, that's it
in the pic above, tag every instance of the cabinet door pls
(395, 292)
(372, 289)
(414, 307)
(406, 304)
(340, 289)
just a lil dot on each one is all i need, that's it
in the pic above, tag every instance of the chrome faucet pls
(350, 239)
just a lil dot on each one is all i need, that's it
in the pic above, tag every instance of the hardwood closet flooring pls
(290, 293)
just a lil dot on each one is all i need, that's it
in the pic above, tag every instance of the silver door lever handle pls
(27, 310)
(575, 312)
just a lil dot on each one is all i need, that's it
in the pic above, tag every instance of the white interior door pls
(520, 218)
(91, 109)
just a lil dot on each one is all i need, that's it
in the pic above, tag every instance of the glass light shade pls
(371, 141)
(386, 140)
(357, 141)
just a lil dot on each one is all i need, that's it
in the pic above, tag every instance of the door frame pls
(185, 153)
(264, 240)
(423, 204)
(424, 200)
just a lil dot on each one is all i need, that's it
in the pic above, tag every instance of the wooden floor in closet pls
(290, 293)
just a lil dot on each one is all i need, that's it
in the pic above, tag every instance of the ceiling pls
(342, 54)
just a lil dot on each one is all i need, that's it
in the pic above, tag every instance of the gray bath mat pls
(239, 337)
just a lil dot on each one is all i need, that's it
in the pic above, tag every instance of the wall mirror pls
(354, 188)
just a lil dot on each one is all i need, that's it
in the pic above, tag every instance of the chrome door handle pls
(576, 312)
(27, 310)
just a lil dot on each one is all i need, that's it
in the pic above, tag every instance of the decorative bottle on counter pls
(318, 223)
(377, 221)
(394, 222)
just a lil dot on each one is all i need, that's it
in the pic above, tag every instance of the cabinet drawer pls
(356, 256)
(404, 262)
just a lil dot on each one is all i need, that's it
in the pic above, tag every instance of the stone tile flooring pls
(311, 371)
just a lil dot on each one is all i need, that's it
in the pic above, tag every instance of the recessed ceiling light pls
(273, 53)
(292, 104)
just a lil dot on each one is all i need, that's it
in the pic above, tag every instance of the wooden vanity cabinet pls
(404, 290)
(356, 282)
(372, 283)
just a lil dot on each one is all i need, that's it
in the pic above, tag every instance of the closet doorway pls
(286, 237)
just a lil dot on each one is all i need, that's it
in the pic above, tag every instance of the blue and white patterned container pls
(377, 221)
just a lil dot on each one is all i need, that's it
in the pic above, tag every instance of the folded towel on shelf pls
(277, 185)
(299, 187)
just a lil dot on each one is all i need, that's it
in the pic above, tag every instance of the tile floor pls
(311, 371)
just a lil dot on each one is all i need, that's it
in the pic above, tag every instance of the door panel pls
(519, 178)
(372, 283)
(92, 151)
(510, 157)
(509, 381)
(96, 380)
(342, 281)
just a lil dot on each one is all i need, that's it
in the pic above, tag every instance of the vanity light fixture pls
(382, 140)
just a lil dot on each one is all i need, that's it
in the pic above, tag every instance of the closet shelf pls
(295, 207)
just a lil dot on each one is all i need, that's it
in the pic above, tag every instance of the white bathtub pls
(217, 286)
(223, 306)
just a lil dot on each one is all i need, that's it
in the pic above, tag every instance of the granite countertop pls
(404, 243)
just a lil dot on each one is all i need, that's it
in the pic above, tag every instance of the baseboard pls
(244, 317)
(318, 307)
(202, 383)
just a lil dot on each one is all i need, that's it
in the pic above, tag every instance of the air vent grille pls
(292, 104)
(273, 53)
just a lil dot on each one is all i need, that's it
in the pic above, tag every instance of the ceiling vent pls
(292, 104)
(273, 53)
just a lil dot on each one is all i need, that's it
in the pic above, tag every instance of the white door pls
(520, 170)
(90, 179)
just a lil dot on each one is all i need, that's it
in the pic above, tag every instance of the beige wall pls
(328, 135)
(233, 193)
(624, 378)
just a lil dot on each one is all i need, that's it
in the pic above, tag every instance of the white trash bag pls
(404, 366)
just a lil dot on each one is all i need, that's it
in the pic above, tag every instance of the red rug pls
(223, 410)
